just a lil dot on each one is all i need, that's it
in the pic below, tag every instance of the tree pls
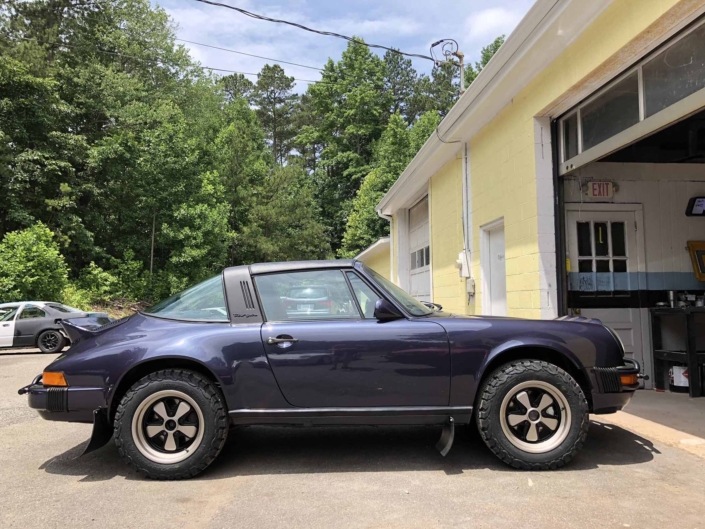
(31, 266)
(437, 93)
(399, 80)
(237, 86)
(485, 55)
(352, 110)
(396, 149)
(275, 103)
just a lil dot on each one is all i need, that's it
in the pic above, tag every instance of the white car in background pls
(36, 324)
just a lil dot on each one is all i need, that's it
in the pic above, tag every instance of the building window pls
(420, 258)
(667, 76)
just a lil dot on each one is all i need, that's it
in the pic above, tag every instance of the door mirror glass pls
(385, 311)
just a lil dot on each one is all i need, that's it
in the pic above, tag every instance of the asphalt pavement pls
(336, 477)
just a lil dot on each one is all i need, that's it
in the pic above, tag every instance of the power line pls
(249, 54)
(250, 73)
(327, 33)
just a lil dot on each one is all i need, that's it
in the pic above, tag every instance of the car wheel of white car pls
(533, 415)
(51, 341)
(171, 424)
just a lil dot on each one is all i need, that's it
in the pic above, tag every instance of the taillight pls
(324, 304)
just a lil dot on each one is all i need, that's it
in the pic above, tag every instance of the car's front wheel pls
(171, 424)
(51, 341)
(533, 415)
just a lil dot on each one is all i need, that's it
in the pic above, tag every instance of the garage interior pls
(633, 219)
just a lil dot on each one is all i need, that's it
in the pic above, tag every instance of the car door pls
(344, 357)
(7, 328)
(29, 322)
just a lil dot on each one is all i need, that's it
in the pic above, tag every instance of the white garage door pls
(420, 275)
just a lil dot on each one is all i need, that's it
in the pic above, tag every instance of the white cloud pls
(489, 23)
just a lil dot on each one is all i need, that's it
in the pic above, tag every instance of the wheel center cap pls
(534, 415)
(170, 425)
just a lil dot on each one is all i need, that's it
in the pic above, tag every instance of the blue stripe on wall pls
(591, 282)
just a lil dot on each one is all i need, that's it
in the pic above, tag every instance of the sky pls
(409, 25)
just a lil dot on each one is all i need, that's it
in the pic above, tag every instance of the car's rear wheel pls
(51, 341)
(533, 415)
(171, 424)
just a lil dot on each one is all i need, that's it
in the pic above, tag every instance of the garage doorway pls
(493, 267)
(420, 251)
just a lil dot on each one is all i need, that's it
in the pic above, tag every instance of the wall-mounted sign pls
(696, 207)
(600, 189)
(697, 255)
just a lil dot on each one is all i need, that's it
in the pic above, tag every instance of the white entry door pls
(494, 271)
(604, 255)
(419, 246)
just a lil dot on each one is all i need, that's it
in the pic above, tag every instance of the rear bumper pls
(71, 404)
(609, 395)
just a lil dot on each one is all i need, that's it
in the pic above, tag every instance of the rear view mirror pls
(386, 311)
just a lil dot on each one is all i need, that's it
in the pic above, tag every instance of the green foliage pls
(486, 54)
(397, 147)
(31, 266)
(152, 174)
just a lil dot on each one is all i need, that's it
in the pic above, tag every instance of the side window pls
(315, 295)
(30, 311)
(10, 315)
(366, 297)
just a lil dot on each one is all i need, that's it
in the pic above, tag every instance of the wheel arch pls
(541, 352)
(152, 365)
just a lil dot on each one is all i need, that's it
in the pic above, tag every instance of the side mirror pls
(385, 311)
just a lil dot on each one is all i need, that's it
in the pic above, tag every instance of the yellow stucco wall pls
(379, 262)
(446, 205)
(502, 165)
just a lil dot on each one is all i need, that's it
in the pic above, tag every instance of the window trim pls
(265, 318)
(565, 165)
(29, 305)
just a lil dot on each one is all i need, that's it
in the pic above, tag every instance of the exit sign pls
(600, 190)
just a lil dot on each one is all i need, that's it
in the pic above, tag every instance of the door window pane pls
(584, 246)
(366, 297)
(619, 247)
(315, 295)
(675, 73)
(30, 311)
(612, 112)
(602, 265)
(570, 137)
(9, 316)
(428, 255)
(413, 264)
(601, 242)
(585, 265)
(619, 265)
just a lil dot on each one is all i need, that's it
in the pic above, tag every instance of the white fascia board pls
(373, 249)
(543, 34)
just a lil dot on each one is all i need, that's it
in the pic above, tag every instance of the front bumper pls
(609, 395)
(72, 404)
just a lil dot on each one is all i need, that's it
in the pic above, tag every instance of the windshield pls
(203, 302)
(413, 305)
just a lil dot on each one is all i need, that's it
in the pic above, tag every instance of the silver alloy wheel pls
(167, 427)
(535, 417)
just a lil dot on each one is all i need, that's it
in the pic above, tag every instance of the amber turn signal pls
(628, 380)
(53, 379)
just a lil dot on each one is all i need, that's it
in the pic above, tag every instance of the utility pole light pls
(451, 49)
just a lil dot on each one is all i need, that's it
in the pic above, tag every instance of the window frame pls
(637, 67)
(266, 319)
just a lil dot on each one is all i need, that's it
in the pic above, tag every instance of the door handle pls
(271, 340)
(5, 324)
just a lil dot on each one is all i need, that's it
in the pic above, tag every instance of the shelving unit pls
(678, 336)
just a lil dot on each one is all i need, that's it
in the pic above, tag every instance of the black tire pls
(51, 341)
(214, 425)
(503, 386)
